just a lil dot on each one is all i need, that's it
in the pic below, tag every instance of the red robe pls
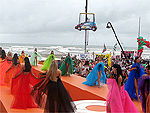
(21, 89)
(3, 68)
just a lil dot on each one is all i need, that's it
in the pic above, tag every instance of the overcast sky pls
(54, 21)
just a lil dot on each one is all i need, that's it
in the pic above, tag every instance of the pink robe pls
(119, 99)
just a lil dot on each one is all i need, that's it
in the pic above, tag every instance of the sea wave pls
(62, 50)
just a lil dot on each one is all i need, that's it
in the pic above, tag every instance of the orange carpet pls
(77, 90)
(2, 108)
(73, 84)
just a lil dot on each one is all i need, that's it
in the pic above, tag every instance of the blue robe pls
(92, 77)
(136, 73)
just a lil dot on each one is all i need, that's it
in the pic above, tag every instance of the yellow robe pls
(21, 58)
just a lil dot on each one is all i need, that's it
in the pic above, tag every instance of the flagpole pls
(139, 27)
(139, 54)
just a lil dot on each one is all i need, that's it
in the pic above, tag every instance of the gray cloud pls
(53, 21)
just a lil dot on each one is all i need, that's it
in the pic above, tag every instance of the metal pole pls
(85, 41)
(139, 35)
(86, 10)
(93, 57)
(139, 27)
(117, 39)
(86, 21)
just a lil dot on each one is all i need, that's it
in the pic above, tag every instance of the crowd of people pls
(129, 77)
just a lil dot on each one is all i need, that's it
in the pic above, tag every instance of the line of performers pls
(30, 90)
(47, 91)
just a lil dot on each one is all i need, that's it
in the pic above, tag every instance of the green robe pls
(63, 66)
(47, 62)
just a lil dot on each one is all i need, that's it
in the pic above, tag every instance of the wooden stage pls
(73, 84)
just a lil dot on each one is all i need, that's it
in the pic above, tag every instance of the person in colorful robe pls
(144, 87)
(67, 66)
(21, 87)
(118, 100)
(12, 70)
(35, 58)
(47, 62)
(97, 76)
(131, 85)
(51, 94)
(22, 56)
(4, 65)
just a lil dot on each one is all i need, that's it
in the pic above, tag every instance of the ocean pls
(62, 50)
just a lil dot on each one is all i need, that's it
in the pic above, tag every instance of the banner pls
(105, 56)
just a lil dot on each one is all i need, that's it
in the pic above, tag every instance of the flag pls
(109, 60)
(115, 47)
(104, 49)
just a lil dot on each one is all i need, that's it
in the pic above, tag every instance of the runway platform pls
(77, 90)
(80, 94)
